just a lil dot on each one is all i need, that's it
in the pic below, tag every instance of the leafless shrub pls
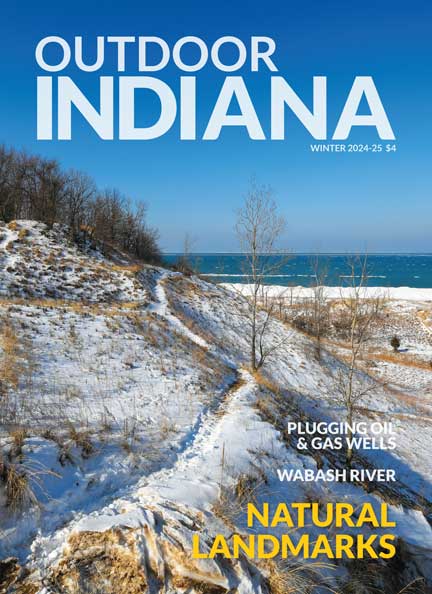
(184, 262)
(259, 227)
(359, 312)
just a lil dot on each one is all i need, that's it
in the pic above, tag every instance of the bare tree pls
(79, 192)
(259, 227)
(184, 262)
(360, 311)
(33, 187)
(319, 307)
(8, 206)
(312, 311)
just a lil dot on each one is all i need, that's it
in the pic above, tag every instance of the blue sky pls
(332, 202)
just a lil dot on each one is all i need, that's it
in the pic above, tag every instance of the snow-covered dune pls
(136, 423)
(41, 262)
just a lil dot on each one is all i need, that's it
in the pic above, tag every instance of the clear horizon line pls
(304, 253)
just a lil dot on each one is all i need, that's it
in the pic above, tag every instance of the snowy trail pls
(191, 434)
(196, 474)
(194, 443)
(201, 444)
(161, 307)
(181, 492)
(167, 510)
(205, 439)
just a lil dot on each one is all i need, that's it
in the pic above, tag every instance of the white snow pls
(142, 414)
(299, 292)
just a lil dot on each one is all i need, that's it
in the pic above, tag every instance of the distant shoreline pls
(299, 292)
(390, 270)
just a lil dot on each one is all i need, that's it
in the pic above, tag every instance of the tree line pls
(33, 187)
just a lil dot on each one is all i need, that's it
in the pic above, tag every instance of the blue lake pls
(384, 270)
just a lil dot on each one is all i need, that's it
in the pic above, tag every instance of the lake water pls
(384, 270)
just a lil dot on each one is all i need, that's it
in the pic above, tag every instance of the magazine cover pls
(215, 297)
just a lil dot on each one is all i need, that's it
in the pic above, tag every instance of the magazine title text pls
(125, 66)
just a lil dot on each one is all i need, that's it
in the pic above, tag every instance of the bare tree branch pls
(259, 227)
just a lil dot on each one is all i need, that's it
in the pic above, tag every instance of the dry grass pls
(285, 577)
(9, 570)
(23, 233)
(266, 383)
(112, 308)
(369, 576)
(100, 562)
(127, 268)
(11, 364)
(425, 316)
(246, 487)
(82, 439)
(18, 436)
(234, 498)
(194, 586)
(399, 359)
(19, 493)
(279, 576)
(199, 355)
(167, 427)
